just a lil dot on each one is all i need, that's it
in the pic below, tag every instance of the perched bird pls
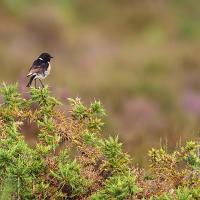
(40, 69)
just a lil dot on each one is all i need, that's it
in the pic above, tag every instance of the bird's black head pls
(45, 56)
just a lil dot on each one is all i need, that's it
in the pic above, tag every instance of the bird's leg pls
(41, 83)
(35, 83)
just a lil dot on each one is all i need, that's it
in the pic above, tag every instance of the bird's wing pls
(37, 67)
(34, 71)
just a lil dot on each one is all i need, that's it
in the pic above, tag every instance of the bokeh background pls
(139, 57)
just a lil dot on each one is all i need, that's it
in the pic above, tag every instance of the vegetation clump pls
(71, 159)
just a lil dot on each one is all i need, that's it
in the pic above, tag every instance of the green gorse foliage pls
(44, 171)
(87, 166)
(117, 187)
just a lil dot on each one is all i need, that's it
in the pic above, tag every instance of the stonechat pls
(40, 69)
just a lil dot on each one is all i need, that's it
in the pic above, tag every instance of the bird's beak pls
(51, 56)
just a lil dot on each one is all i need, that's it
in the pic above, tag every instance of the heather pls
(71, 159)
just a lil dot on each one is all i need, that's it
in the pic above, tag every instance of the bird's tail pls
(30, 81)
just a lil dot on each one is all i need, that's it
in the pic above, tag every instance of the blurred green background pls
(139, 57)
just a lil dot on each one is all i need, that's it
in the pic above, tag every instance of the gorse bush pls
(71, 160)
(87, 167)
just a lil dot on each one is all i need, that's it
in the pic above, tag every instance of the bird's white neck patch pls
(40, 59)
